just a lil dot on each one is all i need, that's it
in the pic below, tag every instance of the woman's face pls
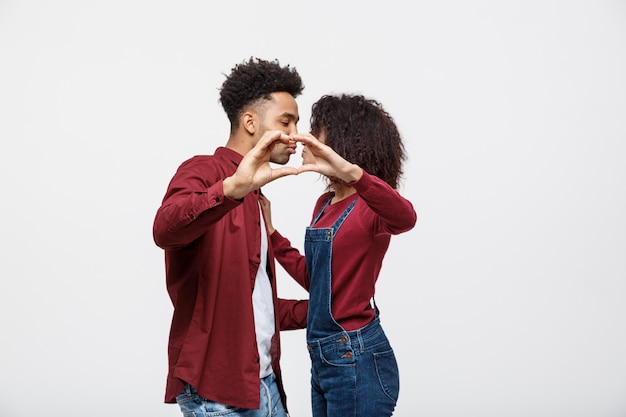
(322, 136)
(306, 157)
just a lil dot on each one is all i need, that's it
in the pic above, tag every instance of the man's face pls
(281, 113)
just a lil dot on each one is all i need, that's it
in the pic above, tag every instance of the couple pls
(220, 244)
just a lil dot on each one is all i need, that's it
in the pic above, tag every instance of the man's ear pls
(249, 122)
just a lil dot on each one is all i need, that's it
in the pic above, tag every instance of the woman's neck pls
(342, 192)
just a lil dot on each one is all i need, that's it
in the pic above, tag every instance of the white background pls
(506, 299)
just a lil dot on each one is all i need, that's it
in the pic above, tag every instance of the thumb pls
(307, 168)
(284, 171)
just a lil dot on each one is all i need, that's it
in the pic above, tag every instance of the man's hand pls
(255, 170)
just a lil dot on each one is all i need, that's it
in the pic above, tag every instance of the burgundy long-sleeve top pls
(212, 254)
(358, 248)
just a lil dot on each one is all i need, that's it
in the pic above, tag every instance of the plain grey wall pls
(507, 299)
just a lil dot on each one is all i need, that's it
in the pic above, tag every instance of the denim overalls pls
(353, 374)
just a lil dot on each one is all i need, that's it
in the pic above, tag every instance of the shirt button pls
(192, 216)
(217, 199)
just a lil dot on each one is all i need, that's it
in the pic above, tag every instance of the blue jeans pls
(354, 374)
(193, 405)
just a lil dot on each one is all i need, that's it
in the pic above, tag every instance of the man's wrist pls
(232, 190)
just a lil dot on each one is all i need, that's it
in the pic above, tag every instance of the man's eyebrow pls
(291, 116)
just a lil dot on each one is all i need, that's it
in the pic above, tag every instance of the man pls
(224, 344)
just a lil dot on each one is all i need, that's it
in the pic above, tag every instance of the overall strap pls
(343, 216)
(319, 213)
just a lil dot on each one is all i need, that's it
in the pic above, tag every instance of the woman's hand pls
(266, 208)
(321, 158)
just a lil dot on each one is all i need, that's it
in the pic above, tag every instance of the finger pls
(308, 168)
(305, 138)
(271, 137)
(283, 172)
(310, 141)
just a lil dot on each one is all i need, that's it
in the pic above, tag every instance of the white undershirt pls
(263, 305)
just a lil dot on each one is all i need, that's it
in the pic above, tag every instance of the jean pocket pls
(387, 372)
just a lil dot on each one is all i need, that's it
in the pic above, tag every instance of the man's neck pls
(240, 143)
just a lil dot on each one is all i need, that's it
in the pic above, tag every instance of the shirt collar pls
(229, 154)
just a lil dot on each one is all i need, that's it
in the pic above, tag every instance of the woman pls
(356, 145)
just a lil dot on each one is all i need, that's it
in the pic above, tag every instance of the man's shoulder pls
(207, 161)
(198, 160)
(221, 155)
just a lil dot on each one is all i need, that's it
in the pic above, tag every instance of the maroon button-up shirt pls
(212, 254)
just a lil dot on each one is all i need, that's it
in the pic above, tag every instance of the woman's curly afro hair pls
(362, 132)
(256, 79)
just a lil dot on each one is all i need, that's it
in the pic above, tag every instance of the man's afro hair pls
(256, 79)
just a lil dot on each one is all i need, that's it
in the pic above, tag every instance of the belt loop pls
(361, 345)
